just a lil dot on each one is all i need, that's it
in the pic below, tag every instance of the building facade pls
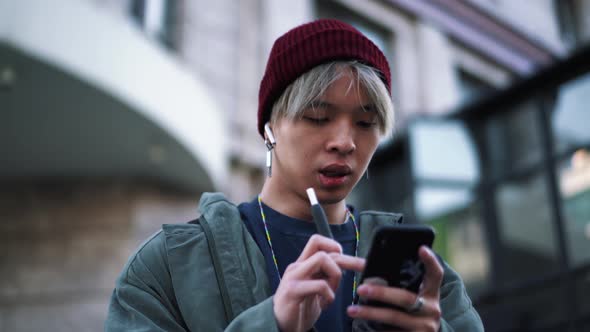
(118, 114)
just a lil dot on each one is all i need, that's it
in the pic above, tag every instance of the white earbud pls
(270, 144)
(269, 134)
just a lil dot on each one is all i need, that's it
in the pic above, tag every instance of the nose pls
(341, 138)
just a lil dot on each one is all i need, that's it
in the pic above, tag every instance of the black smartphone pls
(393, 257)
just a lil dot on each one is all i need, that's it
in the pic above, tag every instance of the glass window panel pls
(154, 17)
(513, 140)
(574, 185)
(584, 325)
(158, 18)
(471, 87)
(530, 310)
(443, 151)
(529, 247)
(138, 10)
(582, 291)
(460, 240)
(571, 115)
(435, 201)
(567, 19)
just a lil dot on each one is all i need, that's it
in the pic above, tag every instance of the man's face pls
(330, 147)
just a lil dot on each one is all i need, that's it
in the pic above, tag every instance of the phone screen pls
(393, 260)
(393, 256)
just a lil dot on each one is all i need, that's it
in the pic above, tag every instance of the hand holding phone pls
(393, 258)
(397, 261)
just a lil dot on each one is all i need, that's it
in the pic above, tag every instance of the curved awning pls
(84, 93)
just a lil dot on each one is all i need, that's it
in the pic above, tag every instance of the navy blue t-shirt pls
(289, 236)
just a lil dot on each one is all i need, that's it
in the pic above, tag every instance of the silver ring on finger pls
(417, 306)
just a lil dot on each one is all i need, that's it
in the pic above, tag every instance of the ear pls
(268, 135)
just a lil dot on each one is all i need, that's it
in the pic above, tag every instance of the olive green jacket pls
(209, 275)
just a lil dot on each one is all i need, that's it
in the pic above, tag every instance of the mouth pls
(336, 170)
(334, 174)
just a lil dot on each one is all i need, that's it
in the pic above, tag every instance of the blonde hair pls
(301, 94)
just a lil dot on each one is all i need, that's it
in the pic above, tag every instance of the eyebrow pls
(324, 104)
(321, 104)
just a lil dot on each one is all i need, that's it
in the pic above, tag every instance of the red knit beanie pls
(307, 46)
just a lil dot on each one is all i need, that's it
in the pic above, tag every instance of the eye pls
(367, 124)
(316, 120)
(367, 120)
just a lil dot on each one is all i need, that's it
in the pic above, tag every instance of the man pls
(324, 104)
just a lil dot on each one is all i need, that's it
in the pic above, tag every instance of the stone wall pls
(64, 244)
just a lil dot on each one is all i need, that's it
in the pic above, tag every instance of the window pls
(508, 191)
(572, 137)
(158, 18)
(460, 233)
(471, 87)
(567, 20)
(446, 169)
(513, 140)
(574, 183)
(571, 116)
(527, 232)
